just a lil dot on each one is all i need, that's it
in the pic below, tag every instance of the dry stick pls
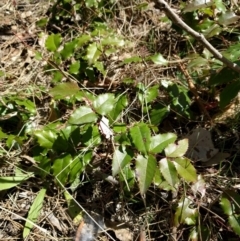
(161, 4)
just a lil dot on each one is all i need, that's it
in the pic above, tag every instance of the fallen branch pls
(162, 5)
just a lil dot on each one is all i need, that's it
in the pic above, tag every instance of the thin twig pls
(162, 5)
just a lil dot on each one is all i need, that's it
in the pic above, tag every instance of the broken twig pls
(162, 5)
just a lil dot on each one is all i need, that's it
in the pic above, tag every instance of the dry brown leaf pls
(201, 148)
(55, 222)
(219, 157)
(124, 234)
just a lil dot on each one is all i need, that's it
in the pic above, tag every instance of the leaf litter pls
(201, 148)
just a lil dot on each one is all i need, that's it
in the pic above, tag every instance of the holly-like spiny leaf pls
(185, 169)
(169, 172)
(145, 168)
(177, 150)
(83, 115)
(141, 134)
(121, 157)
(161, 141)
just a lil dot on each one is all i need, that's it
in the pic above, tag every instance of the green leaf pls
(228, 18)
(82, 115)
(225, 76)
(194, 234)
(2, 134)
(185, 169)
(42, 23)
(75, 168)
(226, 205)
(115, 41)
(44, 165)
(121, 157)
(100, 29)
(91, 137)
(196, 5)
(161, 182)
(123, 139)
(230, 203)
(53, 42)
(177, 150)
(93, 53)
(185, 214)
(205, 25)
(117, 128)
(100, 67)
(61, 144)
(229, 93)
(120, 104)
(197, 62)
(104, 103)
(9, 182)
(180, 98)
(148, 94)
(169, 172)
(233, 53)
(87, 157)
(74, 210)
(90, 73)
(145, 168)
(157, 114)
(234, 221)
(61, 168)
(34, 212)
(38, 56)
(85, 95)
(2, 73)
(74, 67)
(64, 90)
(83, 40)
(159, 59)
(134, 59)
(220, 6)
(213, 30)
(141, 86)
(28, 104)
(69, 49)
(91, 3)
(46, 138)
(161, 141)
(141, 135)
(234, 199)
(57, 76)
(127, 178)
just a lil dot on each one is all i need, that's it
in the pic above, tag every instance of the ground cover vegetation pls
(122, 115)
